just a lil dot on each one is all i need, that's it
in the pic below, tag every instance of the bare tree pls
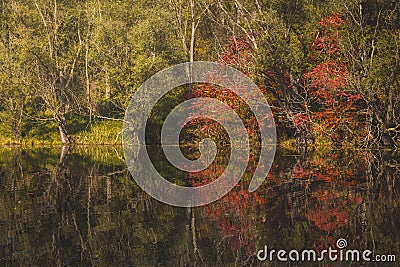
(372, 43)
(55, 70)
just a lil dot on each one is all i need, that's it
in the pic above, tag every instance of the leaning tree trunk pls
(65, 135)
(381, 133)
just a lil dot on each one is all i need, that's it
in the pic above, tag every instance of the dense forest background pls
(329, 69)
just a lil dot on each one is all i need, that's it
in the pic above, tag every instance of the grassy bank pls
(46, 134)
(108, 132)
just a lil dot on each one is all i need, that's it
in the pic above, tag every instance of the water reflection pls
(80, 207)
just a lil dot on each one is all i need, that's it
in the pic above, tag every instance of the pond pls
(80, 207)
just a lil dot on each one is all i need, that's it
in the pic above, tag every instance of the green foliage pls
(62, 60)
(100, 132)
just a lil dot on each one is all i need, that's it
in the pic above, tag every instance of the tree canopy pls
(328, 68)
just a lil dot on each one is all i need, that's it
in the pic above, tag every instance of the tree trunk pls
(65, 136)
(304, 137)
(380, 132)
(16, 130)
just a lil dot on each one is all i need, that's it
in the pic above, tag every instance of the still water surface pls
(80, 207)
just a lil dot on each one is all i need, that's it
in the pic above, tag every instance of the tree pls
(308, 59)
(57, 49)
(129, 41)
(371, 42)
(280, 33)
(14, 71)
(333, 108)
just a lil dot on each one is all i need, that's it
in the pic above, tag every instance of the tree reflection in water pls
(80, 207)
